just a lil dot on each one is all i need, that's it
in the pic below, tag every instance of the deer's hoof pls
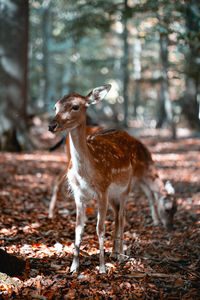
(103, 271)
(74, 268)
(156, 222)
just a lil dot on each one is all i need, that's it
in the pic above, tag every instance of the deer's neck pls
(78, 148)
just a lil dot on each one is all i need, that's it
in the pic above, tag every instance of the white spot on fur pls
(115, 171)
(58, 108)
(64, 115)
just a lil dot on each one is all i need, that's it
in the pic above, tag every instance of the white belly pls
(84, 187)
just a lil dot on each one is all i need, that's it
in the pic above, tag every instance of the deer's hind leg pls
(115, 206)
(102, 209)
(123, 200)
(152, 201)
(119, 219)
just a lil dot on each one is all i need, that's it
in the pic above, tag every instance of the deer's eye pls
(75, 107)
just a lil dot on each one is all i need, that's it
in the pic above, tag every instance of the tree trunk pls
(46, 35)
(13, 78)
(136, 73)
(125, 66)
(190, 102)
(72, 69)
(165, 113)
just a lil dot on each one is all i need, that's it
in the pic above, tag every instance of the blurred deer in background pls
(103, 167)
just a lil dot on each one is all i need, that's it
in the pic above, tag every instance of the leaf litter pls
(157, 264)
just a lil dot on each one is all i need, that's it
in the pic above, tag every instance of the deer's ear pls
(97, 94)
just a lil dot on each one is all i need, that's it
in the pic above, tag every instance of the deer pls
(63, 175)
(103, 167)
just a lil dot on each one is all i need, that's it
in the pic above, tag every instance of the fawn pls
(63, 175)
(103, 167)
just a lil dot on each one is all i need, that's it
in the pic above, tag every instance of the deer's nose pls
(53, 126)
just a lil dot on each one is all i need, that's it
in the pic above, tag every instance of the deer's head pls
(167, 208)
(71, 109)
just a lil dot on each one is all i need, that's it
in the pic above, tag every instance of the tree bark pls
(190, 102)
(125, 66)
(136, 73)
(48, 91)
(165, 113)
(13, 69)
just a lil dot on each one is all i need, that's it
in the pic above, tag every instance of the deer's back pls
(118, 149)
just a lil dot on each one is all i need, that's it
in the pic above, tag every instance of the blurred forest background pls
(148, 50)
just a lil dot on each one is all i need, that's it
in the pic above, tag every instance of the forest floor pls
(158, 264)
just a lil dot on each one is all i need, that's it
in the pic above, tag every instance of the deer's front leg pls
(115, 249)
(80, 223)
(102, 209)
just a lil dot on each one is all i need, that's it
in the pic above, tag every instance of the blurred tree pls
(139, 46)
(165, 112)
(191, 107)
(137, 68)
(125, 62)
(13, 78)
(46, 36)
(71, 46)
(162, 10)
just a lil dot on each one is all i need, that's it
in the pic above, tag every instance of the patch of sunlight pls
(190, 204)
(42, 157)
(7, 282)
(35, 4)
(110, 266)
(57, 248)
(114, 92)
(37, 250)
(8, 231)
(108, 111)
(4, 193)
(119, 27)
(69, 248)
(30, 228)
(168, 156)
(92, 251)
(41, 250)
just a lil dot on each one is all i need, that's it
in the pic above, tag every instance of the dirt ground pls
(158, 264)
